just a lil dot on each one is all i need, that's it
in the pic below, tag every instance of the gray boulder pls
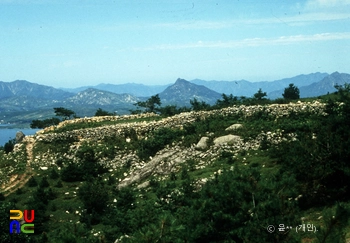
(203, 143)
(19, 136)
(146, 171)
(227, 139)
(234, 127)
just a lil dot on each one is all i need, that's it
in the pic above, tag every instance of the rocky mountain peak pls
(181, 81)
(335, 74)
(182, 91)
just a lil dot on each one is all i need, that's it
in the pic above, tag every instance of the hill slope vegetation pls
(222, 175)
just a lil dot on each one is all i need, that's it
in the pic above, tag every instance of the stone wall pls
(176, 121)
(166, 160)
(172, 156)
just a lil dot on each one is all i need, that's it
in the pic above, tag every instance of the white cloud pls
(253, 42)
(304, 18)
(327, 3)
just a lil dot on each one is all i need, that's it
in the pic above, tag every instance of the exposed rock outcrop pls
(234, 127)
(227, 139)
(203, 143)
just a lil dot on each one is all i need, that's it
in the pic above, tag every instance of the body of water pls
(9, 133)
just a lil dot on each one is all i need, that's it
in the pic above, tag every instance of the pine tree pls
(291, 92)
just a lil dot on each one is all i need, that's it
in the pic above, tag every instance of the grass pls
(12, 164)
(56, 146)
(56, 209)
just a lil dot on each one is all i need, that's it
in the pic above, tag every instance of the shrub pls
(88, 166)
(91, 194)
(72, 173)
(101, 112)
(44, 183)
(59, 184)
(158, 141)
(32, 182)
(19, 191)
(45, 123)
(54, 174)
(9, 146)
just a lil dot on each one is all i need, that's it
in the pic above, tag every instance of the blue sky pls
(71, 43)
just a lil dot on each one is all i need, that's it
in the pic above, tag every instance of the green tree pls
(59, 184)
(151, 105)
(94, 195)
(167, 229)
(335, 223)
(101, 112)
(260, 95)
(72, 233)
(54, 174)
(9, 146)
(44, 123)
(36, 124)
(63, 112)
(197, 105)
(319, 157)
(291, 92)
(226, 101)
(89, 165)
(32, 182)
(72, 172)
(171, 110)
(44, 182)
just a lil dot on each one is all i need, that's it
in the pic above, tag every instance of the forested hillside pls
(222, 174)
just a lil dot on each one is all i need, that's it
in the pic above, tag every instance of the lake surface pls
(9, 133)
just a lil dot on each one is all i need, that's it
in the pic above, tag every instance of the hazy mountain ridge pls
(22, 87)
(135, 89)
(97, 97)
(325, 85)
(35, 101)
(322, 87)
(247, 88)
(236, 87)
(26, 103)
(26, 97)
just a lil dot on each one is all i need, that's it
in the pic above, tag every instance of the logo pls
(270, 228)
(26, 227)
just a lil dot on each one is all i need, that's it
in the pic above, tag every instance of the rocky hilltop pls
(127, 131)
(130, 178)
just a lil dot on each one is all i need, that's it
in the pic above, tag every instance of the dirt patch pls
(16, 181)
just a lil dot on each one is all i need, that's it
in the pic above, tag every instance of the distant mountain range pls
(25, 88)
(317, 88)
(24, 99)
(326, 85)
(274, 89)
(139, 90)
(97, 98)
(248, 89)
